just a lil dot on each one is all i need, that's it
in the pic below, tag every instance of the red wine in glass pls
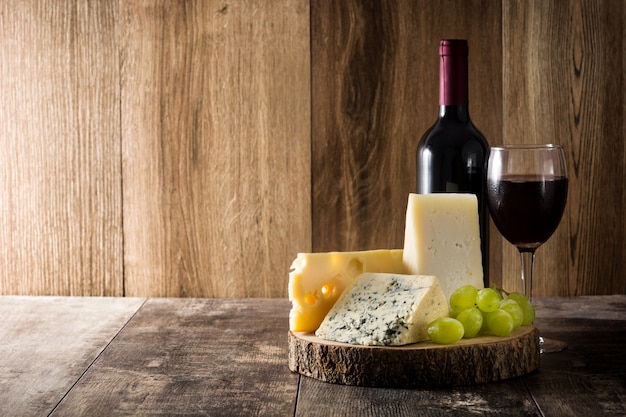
(527, 209)
(526, 195)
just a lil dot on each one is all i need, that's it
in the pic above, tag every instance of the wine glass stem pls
(528, 265)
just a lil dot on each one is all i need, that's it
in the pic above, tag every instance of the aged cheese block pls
(385, 309)
(420, 365)
(317, 280)
(442, 238)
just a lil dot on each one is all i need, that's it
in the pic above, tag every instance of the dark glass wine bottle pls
(452, 154)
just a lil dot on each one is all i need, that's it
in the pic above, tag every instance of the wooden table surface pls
(62, 356)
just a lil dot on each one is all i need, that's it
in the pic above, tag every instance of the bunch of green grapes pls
(485, 311)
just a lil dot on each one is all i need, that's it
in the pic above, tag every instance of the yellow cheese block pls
(442, 238)
(317, 280)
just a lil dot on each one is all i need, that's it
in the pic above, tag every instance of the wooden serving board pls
(420, 365)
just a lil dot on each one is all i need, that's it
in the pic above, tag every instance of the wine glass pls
(526, 195)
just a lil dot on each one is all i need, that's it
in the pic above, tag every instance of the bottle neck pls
(453, 88)
(459, 112)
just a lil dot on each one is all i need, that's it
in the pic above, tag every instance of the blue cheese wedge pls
(385, 310)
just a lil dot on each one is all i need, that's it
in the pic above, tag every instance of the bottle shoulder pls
(453, 133)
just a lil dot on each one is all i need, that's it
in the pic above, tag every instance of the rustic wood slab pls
(46, 343)
(470, 361)
(215, 357)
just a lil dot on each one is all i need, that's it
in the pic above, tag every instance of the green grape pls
(445, 331)
(487, 299)
(500, 322)
(484, 329)
(514, 309)
(462, 298)
(472, 321)
(526, 305)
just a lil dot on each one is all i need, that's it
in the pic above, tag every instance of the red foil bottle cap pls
(453, 72)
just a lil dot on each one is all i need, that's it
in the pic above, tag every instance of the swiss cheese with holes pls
(317, 280)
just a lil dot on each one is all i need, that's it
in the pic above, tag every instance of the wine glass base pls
(551, 345)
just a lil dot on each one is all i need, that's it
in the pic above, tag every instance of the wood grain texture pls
(564, 82)
(375, 73)
(215, 121)
(189, 357)
(193, 148)
(607, 307)
(60, 176)
(590, 383)
(228, 357)
(46, 343)
(506, 399)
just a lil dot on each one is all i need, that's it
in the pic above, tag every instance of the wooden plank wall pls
(192, 148)
(153, 148)
(375, 92)
(539, 72)
(564, 78)
(215, 145)
(60, 176)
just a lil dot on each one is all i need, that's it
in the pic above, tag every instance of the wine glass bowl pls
(526, 195)
(527, 187)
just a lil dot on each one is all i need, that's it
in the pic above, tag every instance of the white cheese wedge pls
(385, 309)
(318, 279)
(442, 238)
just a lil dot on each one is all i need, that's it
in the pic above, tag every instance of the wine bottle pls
(452, 155)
